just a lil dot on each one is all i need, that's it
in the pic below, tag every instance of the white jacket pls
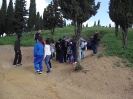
(47, 50)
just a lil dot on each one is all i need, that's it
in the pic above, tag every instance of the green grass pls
(112, 43)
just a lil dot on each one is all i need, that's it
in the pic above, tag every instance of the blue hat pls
(64, 36)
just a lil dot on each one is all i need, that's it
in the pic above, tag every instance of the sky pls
(101, 15)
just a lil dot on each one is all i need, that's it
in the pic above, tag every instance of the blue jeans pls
(47, 59)
(95, 47)
(38, 63)
(71, 58)
(62, 53)
(74, 56)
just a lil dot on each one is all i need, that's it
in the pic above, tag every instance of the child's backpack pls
(69, 50)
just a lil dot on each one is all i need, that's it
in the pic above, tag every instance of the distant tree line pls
(17, 19)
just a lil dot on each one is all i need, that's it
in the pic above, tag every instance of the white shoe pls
(51, 69)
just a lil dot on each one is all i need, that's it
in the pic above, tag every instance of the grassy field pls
(112, 43)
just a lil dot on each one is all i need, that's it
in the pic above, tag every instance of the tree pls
(32, 15)
(64, 23)
(109, 25)
(114, 16)
(94, 23)
(78, 11)
(3, 17)
(9, 17)
(52, 17)
(122, 15)
(98, 23)
(20, 16)
(87, 25)
(37, 25)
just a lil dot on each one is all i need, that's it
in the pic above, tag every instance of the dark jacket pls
(37, 35)
(17, 45)
(64, 45)
(96, 38)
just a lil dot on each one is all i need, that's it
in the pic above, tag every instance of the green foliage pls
(113, 46)
(32, 15)
(19, 16)
(3, 18)
(122, 15)
(52, 17)
(9, 17)
(79, 67)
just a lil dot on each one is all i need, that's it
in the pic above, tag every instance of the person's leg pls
(93, 48)
(49, 63)
(47, 58)
(36, 62)
(40, 63)
(61, 56)
(57, 55)
(96, 48)
(83, 54)
(65, 53)
(20, 57)
(75, 56)
(16, 58)
(71, 59)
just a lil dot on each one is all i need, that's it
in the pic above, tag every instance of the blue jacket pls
(38, 49)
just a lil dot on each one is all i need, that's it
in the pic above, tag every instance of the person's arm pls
(35, 50)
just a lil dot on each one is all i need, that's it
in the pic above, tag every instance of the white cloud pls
(112, 23)
(90, 23)
(40, 5)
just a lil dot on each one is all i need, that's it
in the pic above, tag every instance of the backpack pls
(69, 50)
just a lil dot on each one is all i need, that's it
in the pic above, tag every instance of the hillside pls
(101, 78)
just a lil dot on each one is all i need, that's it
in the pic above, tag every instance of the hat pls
(64, 36)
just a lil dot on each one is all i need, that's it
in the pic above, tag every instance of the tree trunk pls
(78, 32)
(124, 36)
(116, 29)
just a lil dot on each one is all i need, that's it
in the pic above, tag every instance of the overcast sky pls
(102, 14)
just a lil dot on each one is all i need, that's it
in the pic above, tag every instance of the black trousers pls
(18, 58)
(58, 54)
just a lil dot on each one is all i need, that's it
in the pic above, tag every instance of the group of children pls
(63, 50)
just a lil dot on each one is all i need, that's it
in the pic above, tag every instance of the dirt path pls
(100, 78)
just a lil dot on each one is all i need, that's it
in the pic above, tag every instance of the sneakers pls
(72, 63)
(14, 65)
(48, 71)
(39, 72)
(50, 68)
(18, 64)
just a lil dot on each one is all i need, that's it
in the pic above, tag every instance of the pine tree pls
(98, 23)
(3, 17)
(52, 17)
(10, 16)
(37, 25)
(78, 11)
(20, 16)
(32, 15)
(121, 12)
(94, 23)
